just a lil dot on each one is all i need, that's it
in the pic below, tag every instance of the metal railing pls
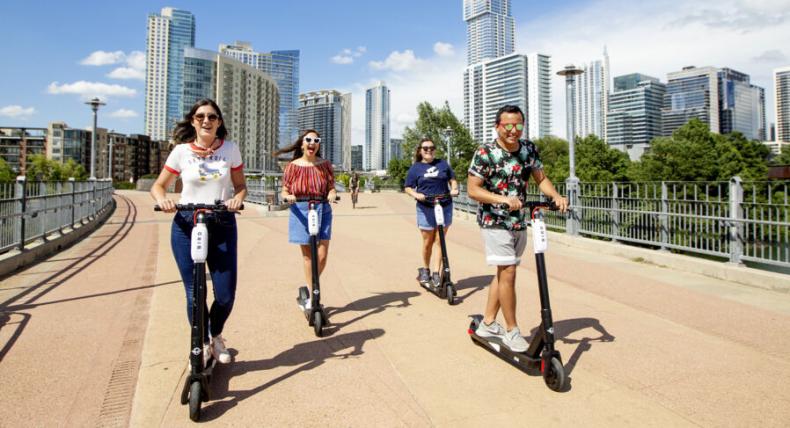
(33, 210)
(740, 221)
(264, 191)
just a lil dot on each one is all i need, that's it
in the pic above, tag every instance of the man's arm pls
(545, 186)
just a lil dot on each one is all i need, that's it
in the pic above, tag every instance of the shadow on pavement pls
(565, 328)
(375, 304)
(303, 357)
(473, 284)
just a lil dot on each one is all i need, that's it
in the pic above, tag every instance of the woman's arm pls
(159, 192)
(239, 190)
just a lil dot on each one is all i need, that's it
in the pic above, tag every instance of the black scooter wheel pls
(450, 291)
(554, 375)
(195, 401)
(318, 323)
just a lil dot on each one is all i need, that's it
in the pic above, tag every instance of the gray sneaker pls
(423, 275)
(490, 330)
(436, 278)
(514, 341)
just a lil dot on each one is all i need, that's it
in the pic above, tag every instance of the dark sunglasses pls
(211, 117)
(428, 148)
(310, 140)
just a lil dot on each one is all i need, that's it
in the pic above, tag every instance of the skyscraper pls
(356, 158)
(377, 126)
(329, 113)
(247, 97)
(169, 32)
(591, 104)
(283, 67)
(741, 105)
(634, 116)
(490, 29)
(782, 97)
(538, 95)
(691, 93)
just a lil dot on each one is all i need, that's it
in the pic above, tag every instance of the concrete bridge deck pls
(97, 335)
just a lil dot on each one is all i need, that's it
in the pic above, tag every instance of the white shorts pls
(504, 247)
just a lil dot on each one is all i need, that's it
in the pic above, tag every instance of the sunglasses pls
(510, 126)
(428, 148)
(211, 117)
(310, 140)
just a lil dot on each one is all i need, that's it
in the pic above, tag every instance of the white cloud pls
(90, 89)
(397, 61)
(104, 58)
(657, 37)
(771, 56)
(124, 113)
(347, 56)
(134, 63)
(127, 73)
(443, 49)
(16, 111)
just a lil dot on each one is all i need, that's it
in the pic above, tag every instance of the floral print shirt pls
(504, 173)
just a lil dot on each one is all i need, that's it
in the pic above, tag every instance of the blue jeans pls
(221, 261)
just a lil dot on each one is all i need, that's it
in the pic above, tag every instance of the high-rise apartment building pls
(634, 116)
(396, 149)
(329, 113)
(17, 144)
(691, 93)
(248, 99)
(591, 103)
(377, 127)
(490, 85)
(782, 97)
(538, 95)
(169, 33)
(283, 67)
(741, 105)
(490, 29)
(356, 157)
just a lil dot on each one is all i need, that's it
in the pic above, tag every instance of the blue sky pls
(416, 47)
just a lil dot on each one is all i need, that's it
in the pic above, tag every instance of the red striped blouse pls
(315, 180)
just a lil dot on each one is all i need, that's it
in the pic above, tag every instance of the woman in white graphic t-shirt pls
(208, 166)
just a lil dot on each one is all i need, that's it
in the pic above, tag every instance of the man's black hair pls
(509, 109)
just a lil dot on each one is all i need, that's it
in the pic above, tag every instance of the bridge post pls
(736, 225)
(573, 221)
(20, 194)
(663, 218)
(615, 216)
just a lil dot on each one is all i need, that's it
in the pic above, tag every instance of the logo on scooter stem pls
(196, 351)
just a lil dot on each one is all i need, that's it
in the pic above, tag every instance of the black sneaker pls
(423, 275)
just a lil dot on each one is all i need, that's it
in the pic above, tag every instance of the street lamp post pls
(448, 135)
(572, 183)
(94, 103)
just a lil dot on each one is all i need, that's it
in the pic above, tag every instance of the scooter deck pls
(431, 286)
(521, 360)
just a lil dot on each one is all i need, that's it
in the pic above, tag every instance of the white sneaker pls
(514, 341)
(219, 350)
(308, 304)
(206, 356)
(490, 330)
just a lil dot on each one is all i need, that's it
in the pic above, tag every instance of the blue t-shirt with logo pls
(430, 178)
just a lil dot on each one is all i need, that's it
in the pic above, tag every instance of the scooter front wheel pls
(195, 399)
(318, 323)
(554, 374)
(450, 291)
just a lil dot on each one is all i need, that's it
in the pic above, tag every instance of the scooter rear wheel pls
(318, 323)
(195, 400)
(554, 375)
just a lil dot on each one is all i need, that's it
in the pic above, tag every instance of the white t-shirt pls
(205, 179)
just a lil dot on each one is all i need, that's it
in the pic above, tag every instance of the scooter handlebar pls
(218, 205)
(314, 199)
(531, 205)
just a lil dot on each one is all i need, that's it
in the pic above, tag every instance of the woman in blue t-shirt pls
(428, 177)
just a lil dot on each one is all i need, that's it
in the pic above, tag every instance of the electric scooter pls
(541, 350)
(196, 391)
(441, 284)
(316, 317)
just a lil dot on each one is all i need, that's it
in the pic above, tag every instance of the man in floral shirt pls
(497, 179)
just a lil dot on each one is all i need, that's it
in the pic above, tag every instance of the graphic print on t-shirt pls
(432, 172)
(211, 170)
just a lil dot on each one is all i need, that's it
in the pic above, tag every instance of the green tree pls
(689, 155)
(781, 159)
(740, 156)
(553, 153)
(431, 122)
(398, 168)
(39, 168)
(6, 173)
(73, 169)
(597, 161)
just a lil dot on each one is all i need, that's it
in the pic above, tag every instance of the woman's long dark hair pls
(296, 147)
(418, 151)
(184, 132)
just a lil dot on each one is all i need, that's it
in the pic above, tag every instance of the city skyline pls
(650, 38)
